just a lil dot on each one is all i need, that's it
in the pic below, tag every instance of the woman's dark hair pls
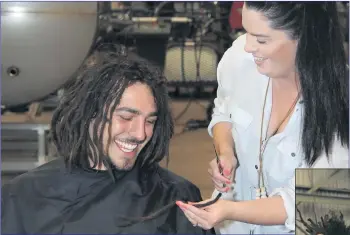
(321, 64)
(99, 86)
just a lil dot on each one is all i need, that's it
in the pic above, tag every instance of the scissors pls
(220, 194)
(221, 170)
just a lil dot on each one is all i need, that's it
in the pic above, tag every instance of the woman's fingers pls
(196, 216)
(195, 220)
(220, 186)
(188, 216)
(215, 174)
(226, 166)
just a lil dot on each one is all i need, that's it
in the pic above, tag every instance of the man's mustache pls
(131, 140)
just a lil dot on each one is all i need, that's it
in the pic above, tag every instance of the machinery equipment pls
(43, 44)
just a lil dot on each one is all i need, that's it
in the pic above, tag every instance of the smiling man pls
(111, 129)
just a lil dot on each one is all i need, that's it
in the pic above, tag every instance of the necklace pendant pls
(263, 193)
(258, 193)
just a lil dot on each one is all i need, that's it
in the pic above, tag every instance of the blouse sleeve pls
(226, 70)
(287, 193)
(220, 110)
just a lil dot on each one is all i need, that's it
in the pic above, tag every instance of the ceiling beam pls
(339, 192)
(320, 182)
(320, 199)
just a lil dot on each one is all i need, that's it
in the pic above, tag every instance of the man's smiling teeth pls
(126, 147)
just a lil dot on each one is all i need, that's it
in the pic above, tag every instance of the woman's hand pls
(206, 217)
(228, 163)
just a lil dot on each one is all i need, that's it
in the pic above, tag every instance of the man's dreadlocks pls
(92, 96)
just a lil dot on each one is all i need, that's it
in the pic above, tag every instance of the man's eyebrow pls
(134, 111)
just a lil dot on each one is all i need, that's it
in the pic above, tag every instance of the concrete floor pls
(190, 152)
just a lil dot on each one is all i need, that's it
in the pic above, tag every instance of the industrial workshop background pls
(43, 44)
(42, 49)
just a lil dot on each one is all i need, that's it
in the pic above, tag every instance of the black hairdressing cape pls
(52, 200)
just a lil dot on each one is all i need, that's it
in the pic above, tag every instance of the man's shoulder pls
(170, 178)
(41, 174)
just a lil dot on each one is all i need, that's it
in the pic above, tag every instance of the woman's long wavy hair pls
(99, 86)
(321, 64)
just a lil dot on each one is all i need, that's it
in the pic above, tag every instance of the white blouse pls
(240, 97)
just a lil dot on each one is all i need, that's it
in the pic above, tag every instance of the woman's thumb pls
(227, 172)
(226, 167)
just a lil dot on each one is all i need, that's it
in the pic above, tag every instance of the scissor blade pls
(219, 164)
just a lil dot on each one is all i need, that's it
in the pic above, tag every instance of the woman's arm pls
(277, 209)
(220, 129)
(266, 211)
(222, 138)
(221, 123)
(228, 76)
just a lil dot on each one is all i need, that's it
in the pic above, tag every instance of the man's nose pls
(250, 44)
(138, 129)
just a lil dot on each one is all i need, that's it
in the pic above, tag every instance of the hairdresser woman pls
(282, 103)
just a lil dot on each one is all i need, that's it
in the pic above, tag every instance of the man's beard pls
(127, 164)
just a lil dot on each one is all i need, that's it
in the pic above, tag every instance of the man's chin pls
(123, 161)
(126, 165)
